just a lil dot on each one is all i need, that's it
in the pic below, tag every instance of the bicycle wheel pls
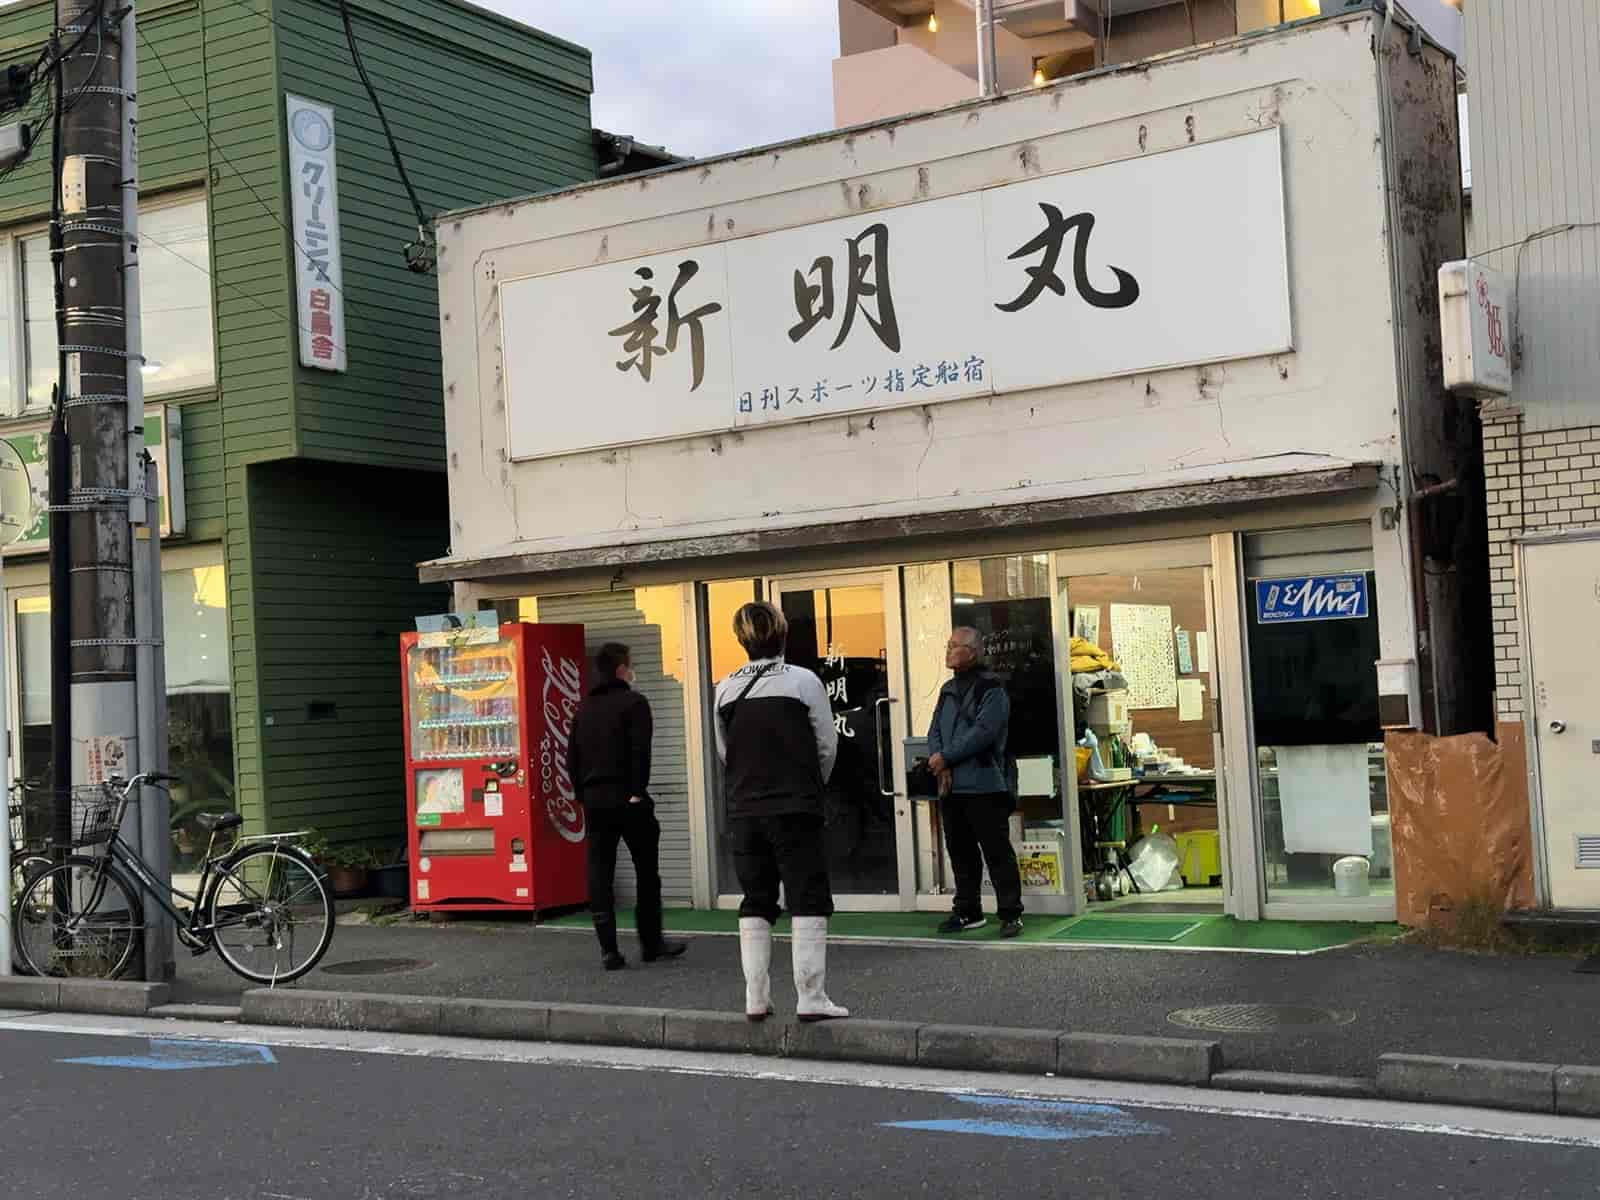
(79, 919)
(23, 872)
(271, 914)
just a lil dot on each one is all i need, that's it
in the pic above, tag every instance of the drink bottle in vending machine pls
(492, 812)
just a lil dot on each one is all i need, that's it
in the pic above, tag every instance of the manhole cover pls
(1257, 1018)
(378, 966)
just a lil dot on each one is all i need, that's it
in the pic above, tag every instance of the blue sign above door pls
(1311, 598)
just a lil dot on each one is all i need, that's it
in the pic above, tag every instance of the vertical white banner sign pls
(318, 272)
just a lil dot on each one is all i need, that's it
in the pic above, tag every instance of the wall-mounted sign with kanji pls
(318, 272)
(1165, 260)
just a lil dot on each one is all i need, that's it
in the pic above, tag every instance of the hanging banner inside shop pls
(1164, 261)
(318, 269)
(163, 440)
(1311, 598)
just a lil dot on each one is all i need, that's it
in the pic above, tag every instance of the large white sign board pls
(318, 267)
(1170, 260)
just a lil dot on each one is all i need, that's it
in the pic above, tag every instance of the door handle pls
(1558, 726)
(877, 736)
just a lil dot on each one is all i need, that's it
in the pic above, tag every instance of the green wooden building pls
(302, 499)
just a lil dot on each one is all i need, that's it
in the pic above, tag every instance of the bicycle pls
(29, 857)
(261, 896)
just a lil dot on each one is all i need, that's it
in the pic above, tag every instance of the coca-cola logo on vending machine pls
(560, 693)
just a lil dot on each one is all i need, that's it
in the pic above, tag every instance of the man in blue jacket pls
(967, 753)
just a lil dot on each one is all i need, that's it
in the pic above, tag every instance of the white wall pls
(1533, 71)
(1333, 397)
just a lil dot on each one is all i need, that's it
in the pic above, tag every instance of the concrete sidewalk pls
(1383, 999)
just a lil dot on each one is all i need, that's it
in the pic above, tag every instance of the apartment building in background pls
(905, 56)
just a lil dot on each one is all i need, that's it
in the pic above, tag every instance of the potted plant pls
(346, 865)
(389, 875)
(347, 869)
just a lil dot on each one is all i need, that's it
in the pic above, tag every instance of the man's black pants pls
(786, 849)
(636, 825)
(977, 831)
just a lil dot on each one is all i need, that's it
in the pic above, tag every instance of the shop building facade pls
(1534, 209)
(299, 498)
(1142, 357)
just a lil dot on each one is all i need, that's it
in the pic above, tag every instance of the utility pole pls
(102, 394)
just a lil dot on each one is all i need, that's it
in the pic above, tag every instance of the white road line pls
(1438, 1120)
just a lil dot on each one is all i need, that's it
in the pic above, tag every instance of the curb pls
(110, 997)
(1548, 1088)
(1564, 1091)
(895, 1043)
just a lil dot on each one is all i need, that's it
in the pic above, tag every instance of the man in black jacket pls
(609, 761)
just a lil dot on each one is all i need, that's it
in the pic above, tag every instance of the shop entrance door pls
(846, 628)
(1561, 581)
(1149, 608)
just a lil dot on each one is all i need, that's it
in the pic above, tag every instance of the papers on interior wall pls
(1202, 652)
(1086, 624)
(1036, 776)
(1191, 700)
(1141, 638)
(1185, 660)
(1323, 792)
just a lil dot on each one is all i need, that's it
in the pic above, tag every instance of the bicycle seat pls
(218, 822)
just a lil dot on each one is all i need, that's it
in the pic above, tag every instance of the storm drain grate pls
(377, 966)
(1257, 1018)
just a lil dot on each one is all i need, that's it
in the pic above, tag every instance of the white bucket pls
(1351, 877)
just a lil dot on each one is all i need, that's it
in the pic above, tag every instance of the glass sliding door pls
(847, 629)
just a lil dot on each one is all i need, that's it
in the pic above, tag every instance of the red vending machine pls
(494, 819)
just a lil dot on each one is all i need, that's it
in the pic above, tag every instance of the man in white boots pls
(776, 739)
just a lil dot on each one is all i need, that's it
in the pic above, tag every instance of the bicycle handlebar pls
(127, 786)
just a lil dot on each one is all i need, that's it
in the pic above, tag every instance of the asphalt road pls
(92, 1116)
(1392, 998)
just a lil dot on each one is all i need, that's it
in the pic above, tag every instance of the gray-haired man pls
(967, 752)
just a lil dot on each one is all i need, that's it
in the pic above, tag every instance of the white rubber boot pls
(810, 942)
(755, 953)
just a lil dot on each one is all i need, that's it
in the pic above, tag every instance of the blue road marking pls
(167, 1054)
(1038, 1120)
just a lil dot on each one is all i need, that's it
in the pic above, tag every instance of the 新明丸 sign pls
(318, 268)
(1311, 598)
(1169, 260)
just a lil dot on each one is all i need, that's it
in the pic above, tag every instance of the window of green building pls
(175, 297)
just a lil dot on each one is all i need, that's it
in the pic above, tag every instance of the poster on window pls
(318, 270)
(163, 434)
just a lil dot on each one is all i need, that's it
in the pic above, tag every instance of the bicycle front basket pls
(93, 816)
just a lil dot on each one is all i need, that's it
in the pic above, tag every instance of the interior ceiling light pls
(933, 22)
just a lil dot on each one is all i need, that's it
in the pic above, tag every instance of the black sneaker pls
(1012, 928)
(613, 961)
(665, 948)
(955, 923)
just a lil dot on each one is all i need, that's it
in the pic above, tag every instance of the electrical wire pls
(1516, 287)
(240, 292)
(223, 155)
(419, 253)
